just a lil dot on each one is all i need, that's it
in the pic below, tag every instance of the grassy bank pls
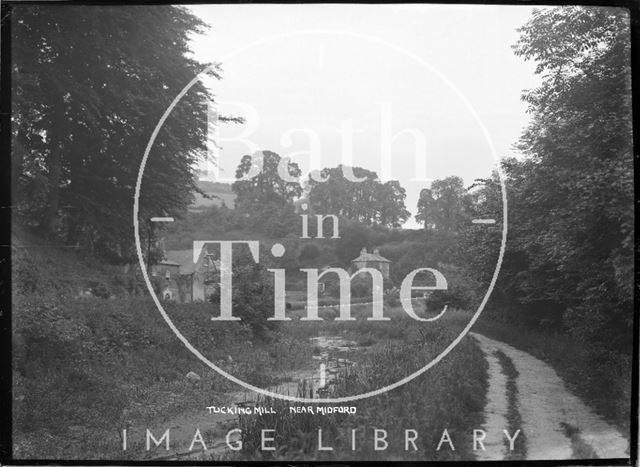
(85, 368)
(449, 396)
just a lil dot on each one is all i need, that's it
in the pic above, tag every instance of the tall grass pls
(84, 369)
(449, 396)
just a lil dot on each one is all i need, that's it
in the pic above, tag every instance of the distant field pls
(202, 202)
(221, 192)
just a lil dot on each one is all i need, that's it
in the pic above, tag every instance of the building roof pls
(375, 256)
(183, 258)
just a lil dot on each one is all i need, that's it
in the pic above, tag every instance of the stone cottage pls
(167, 272)
(184, 280)
(371, 260)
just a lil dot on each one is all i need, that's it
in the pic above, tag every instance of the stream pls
(182, 428)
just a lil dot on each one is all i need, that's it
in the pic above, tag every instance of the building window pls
(167, 275)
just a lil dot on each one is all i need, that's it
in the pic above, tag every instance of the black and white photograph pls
(318, 232)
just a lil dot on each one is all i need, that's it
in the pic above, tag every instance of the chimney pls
(376, 252)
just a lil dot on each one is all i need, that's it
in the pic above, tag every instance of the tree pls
(353, 237)
(90, 84)
(569, 258)
(368, 201)
(581, 139)
(389, 205)
(426, 209)
(252, 294)
(265, 177)
(441, 207)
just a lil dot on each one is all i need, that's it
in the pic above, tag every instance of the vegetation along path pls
(554, 423)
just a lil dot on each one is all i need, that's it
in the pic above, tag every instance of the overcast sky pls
(331, 78)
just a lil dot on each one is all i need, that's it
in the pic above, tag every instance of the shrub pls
(100, 289)
(460, 293)
(360, 288)
(451, 395)
(308, 253)
(392, 300)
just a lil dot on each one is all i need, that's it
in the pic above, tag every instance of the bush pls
(308, 253)
(101, 290)
(252, 295)
(460, 293)
(392, 301)
(327, 301)
(360, 288)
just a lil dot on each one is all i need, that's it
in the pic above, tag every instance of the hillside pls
(86, 367)
(46, 266)
(220, 194)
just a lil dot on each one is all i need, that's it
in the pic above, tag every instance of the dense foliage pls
(569, 259)
(441, 206)
(368, 200)
(265, 177)
(89, 86)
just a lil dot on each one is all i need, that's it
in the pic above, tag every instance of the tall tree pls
(389, 204)
(265, 177)
(569, 257)
(89, 86)
(581, 139)
(368, 201)
(441, 207)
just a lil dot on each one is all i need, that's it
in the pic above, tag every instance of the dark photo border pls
(6, 396)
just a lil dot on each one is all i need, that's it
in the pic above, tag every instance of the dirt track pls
(556, 424)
